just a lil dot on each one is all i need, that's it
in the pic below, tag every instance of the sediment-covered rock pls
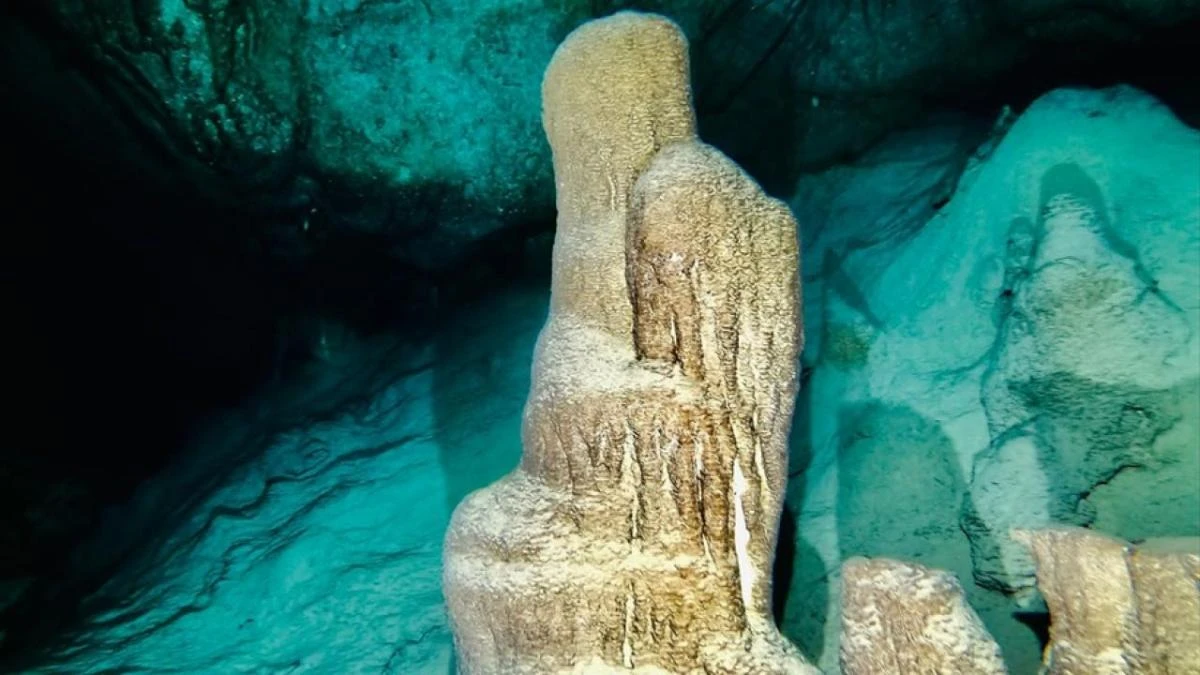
(1027, 356)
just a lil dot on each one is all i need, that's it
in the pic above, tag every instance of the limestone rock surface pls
(1025, 355)
(1118, 608)
(638, 532)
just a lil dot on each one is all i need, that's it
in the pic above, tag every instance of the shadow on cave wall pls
(1085, 432)
(902, 495)
(482, 355)
(132, 336)
(141, 303)
(899, 488)
(800, 591)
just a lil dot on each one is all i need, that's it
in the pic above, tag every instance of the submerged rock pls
(319, 549)
(907, 618)
(1028, 356)
(418, 120)
(1116, 607)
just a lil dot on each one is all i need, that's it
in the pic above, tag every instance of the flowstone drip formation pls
(639, 530)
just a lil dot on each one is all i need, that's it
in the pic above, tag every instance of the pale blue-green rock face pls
(424, 96)
(1026, 356)
(1025, 353)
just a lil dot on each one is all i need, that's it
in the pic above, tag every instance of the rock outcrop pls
(418, 120)
(1023, 339)
(1115, 609)
(323, 551)
(1118, 608)
(1031, 347)
(638, 532)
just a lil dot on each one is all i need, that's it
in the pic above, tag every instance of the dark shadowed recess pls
(752, 104)
(144, 292)
(1158, 63)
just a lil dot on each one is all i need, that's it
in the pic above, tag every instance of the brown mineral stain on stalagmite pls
(638, 532)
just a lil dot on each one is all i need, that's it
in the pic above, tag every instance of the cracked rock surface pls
(1028, 355)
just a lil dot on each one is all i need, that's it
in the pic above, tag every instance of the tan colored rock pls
(1117, 608)
(638, 533)
(1166, 584)
(1082, 575)
(902, 617)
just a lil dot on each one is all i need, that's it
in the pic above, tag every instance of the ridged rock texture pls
(638, 532)
(1118, 608)
(902, 617)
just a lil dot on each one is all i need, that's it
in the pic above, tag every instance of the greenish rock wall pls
(1034, 355)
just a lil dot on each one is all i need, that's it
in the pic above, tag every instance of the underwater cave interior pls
(276, 273)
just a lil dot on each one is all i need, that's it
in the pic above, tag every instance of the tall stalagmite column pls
(638, 532)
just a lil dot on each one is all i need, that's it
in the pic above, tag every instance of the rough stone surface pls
(1166, 584)
(1117, 608)
(1032, 349)
(905, 618)
(638, 532)
(320, 553)
(417, 120)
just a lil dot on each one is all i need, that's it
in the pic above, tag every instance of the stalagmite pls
(638, 533)
(1118, 608)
